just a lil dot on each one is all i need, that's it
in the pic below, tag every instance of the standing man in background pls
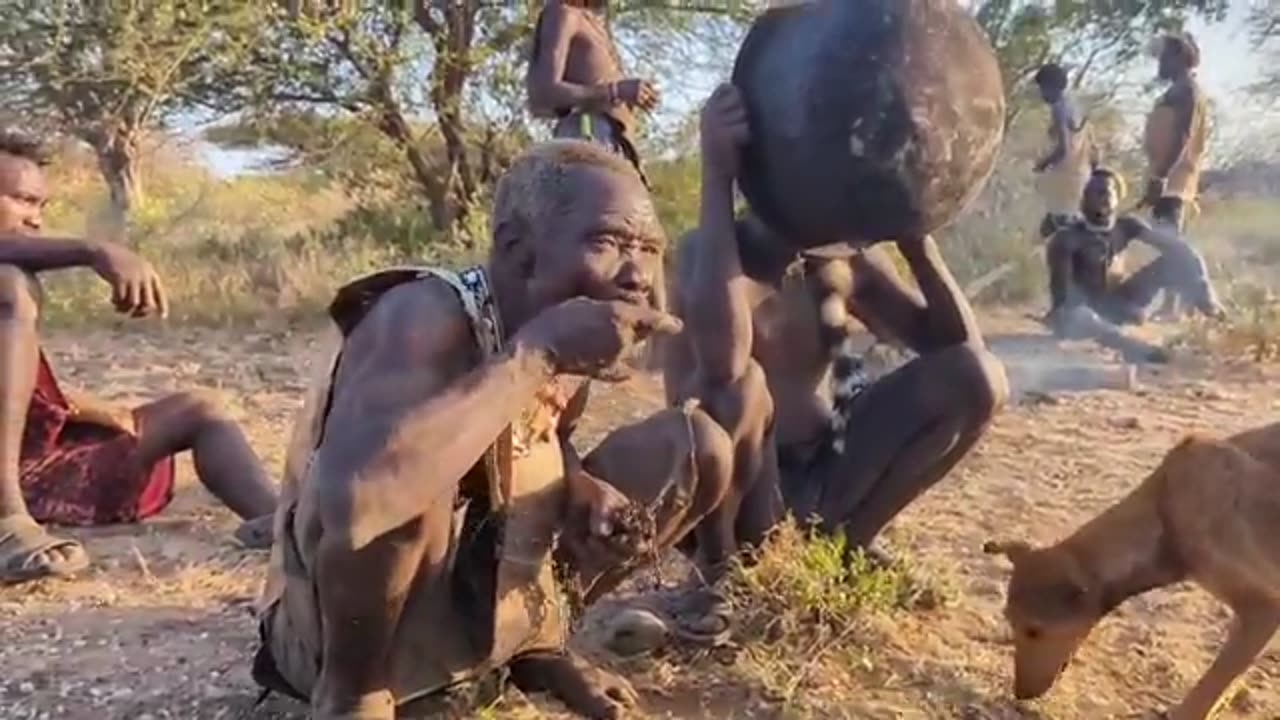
(1072, 156)
(1176, 137)
(1177, 132)
(575, 77)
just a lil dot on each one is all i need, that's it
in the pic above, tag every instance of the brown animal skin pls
(1209, 513)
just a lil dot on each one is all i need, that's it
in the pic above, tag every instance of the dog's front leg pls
(1251, 629)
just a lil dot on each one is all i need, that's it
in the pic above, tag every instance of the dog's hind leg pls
(1251, 630)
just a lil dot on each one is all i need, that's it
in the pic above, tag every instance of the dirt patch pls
(160, 626)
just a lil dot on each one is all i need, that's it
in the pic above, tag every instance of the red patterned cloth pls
(79, 473)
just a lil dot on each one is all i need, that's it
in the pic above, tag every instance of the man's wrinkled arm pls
(548, 90)
(403, 427)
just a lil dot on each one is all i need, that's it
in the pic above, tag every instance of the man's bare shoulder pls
(416, 323)
(558, 17)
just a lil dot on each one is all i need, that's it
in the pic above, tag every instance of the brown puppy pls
(1210, 513)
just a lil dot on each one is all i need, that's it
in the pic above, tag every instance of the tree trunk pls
(395, 126)
(117, 155)
(448, 82)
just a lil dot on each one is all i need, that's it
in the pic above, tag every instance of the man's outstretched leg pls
(904, 434)
(26, 550)
(225, 462)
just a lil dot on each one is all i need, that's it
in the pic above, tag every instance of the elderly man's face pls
(605, 244)
(22, 195)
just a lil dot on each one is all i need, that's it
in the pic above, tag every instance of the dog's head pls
(1051, 607)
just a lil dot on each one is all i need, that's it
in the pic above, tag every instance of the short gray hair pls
(537, 186)
(23, 145)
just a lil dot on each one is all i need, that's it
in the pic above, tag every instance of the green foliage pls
(107, 72)
(1264, 26)
(802, 578)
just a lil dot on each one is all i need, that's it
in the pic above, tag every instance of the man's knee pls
(19, 295)
(981, 376)
(743, 405)
(201, 407)
(712, 453)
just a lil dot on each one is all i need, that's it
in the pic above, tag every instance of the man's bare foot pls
(258, 533)
(584, 688)
(28, 552)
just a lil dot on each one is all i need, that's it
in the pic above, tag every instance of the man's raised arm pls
(717, 308)
(936, 316)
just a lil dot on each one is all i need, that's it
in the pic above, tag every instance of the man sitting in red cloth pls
(75, 462)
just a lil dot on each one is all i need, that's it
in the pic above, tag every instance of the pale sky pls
(1229, 64)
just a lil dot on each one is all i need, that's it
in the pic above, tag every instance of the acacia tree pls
(403, 69)
(109, 72)
(1264, 25)
(441, 80)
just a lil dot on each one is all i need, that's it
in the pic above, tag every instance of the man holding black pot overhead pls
(766, 323)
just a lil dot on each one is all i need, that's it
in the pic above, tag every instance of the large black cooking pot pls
(871, 119)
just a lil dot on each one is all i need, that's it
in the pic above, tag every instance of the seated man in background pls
(75, 461)
(434, 507)
(765, 329)
(1090, 296)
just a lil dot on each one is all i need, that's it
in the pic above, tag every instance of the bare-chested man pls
(1177, 135)
(71, 460)
(575, 76)
(432, 475)
(1065, 169)
(764, 327)
(1090, 296)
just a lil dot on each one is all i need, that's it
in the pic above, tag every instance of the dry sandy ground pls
(160, 627)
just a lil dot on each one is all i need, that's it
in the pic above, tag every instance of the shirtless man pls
(1065, 169)
(1089, 296)
(74, 461)
(763, 329)
(575, 77)
(1177, 134)
(432, 472)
